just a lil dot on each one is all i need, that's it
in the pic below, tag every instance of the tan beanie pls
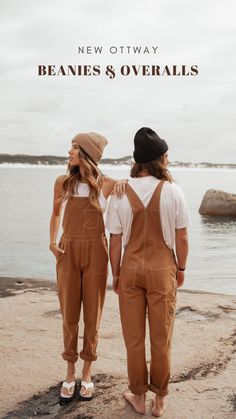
(92, 143)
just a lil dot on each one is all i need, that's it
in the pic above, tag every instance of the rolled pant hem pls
(87, 357)
(156, 390)
(70, 358)
(139, 389)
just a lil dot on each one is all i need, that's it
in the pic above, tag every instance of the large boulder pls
(218, 203)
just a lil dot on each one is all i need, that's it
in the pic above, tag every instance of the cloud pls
(193, 114)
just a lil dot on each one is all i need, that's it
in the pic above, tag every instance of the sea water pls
(25, 207)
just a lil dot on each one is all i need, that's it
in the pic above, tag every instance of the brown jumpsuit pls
(147, 283)
(82, 276)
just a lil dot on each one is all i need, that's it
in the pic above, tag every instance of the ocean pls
(25, 208)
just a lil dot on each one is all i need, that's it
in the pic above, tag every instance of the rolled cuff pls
(87, 357)
(161, 393)
(69, 358)
(138, 389)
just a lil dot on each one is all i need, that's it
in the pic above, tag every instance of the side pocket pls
(61, 245)
(171, 298)
(100, 257)
(127, 277)
(172, 289)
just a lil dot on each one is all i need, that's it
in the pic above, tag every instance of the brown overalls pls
(82, 276)
(147, 284)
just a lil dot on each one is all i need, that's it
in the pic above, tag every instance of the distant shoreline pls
(9, 160)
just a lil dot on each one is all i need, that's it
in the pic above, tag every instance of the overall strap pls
(154, 203)
(133, 198)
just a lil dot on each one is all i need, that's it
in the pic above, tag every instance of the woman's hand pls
(120, 188)
(115, 284)
(56, 250)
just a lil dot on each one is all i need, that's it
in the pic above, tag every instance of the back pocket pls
(160, 280)
(127, 277)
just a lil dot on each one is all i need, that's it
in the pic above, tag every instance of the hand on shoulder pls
(111, 186)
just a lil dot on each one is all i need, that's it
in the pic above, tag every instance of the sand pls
(203, 383)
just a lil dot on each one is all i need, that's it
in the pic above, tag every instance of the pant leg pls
(69, 293)
(132, 300)
(94, 282)
(161, 314)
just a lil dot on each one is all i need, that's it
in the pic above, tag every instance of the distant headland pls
(127, 160)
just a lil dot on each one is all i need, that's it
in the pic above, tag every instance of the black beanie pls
(148, 145)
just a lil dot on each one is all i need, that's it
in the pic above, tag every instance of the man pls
(152, 220)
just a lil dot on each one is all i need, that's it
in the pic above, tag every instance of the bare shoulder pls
(59, 180)
(107, 186)
(58, 187)
(108, 181)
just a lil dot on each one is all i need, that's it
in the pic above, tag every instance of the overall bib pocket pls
(91, 219)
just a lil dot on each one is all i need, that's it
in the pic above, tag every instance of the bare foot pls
(137, 401)
(158, 406)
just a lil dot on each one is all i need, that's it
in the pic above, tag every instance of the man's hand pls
(180, 278)
(115, 284)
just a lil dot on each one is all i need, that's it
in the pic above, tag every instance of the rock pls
(217, 202)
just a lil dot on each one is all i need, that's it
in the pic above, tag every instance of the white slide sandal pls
(86, 386)
(66, 398)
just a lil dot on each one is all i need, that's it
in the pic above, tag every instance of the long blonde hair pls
(92, 176)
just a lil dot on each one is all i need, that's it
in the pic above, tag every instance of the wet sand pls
(202, 384)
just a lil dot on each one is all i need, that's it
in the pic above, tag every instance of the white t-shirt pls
(173, 209)
(83, 191)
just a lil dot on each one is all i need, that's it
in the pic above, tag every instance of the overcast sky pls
(195, 115)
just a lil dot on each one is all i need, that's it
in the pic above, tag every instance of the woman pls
(81, 255)
(152, 220)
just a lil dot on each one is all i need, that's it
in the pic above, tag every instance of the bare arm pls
(115, 258)
(107, 187)
(116, 187)
(56, 216)
(181, 245)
